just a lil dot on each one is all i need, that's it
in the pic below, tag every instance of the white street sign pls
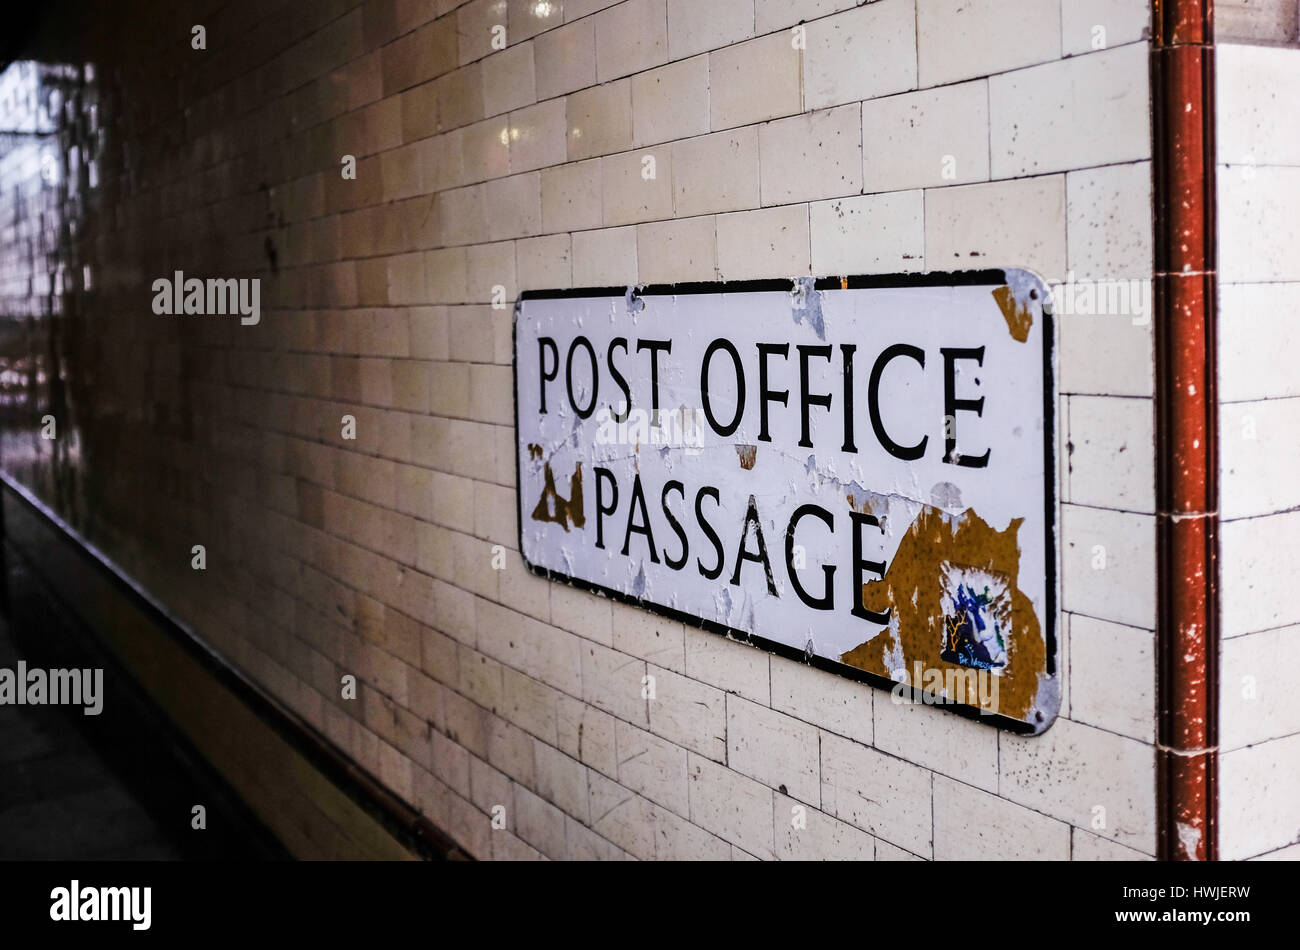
(858, 473)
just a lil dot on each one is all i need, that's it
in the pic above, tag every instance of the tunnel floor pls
(120, 785)
(59, 798)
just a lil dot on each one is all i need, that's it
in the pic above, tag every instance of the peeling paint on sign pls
(555, 508)
(870, 489)
(929, 588)
(807, 305)
(1017, 301)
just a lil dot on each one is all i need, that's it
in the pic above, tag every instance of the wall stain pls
(1018, 316)
(566, 511)
(913, 588)
(534, 450)
(748, 456)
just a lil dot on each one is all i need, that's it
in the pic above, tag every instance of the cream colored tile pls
(1000, 224)
(973, 825)
(485, 150)
(695, 27)
(637, 186)
(448, 275)
(768, 243)
(1110, 459)
(1258, 455)
(1256, 575)
(1110, 222)
(1257, 699)
(566, 59)
(631, 37)
(1255, 319)
(1088, 25)
(888, 797)
(1086, 777)
(805, 834)
(605, 258)
(1259, 225)
(868, 234)
(1257, 812)
(962, 39)
(571, 197)
(1255, 21)
(543, 263)
(576, 9)
(1112, 677)
(600, 120)
(776, 14)
(530, 17)
(754, 81)
(508, 79)
(514, 206)
(1082, 111)
(1104, 354)
(675, 251)
(488, 266)
(1090, 847)
(717, 172)
(538, 136)
(811, 156)
(935, 739)
(671, 102)
(860, 54)
(778, 750)
(931, 138)
(475, 23)
(1109, 565)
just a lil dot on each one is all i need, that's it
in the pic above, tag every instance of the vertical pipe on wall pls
(1186, 406)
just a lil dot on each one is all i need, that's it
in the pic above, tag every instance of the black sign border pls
(988, 276)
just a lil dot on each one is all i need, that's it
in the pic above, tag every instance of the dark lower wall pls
(267, 779)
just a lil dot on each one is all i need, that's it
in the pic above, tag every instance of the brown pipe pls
(1186, 429)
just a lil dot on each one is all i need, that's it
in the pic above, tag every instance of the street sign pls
(856, 473)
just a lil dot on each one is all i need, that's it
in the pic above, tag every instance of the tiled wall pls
(1259, 415)
(1257, 21)
(520, 167)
